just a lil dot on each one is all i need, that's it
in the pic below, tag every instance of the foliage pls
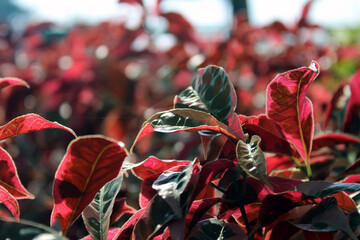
(230, 197)
(282, 168)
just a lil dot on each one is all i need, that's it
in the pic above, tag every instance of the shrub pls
(267, 181)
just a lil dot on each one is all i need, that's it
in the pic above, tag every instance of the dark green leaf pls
(216, 92)
(252, 160)
(27, 230)
(187, 120)
(170, 185)
(171, 203)
(97, 215)
(156, 215)
(213, 228)
(189, 98)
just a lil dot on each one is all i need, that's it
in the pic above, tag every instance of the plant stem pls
(308, 169)
(219, 188)
(240, 198)
(302, 168)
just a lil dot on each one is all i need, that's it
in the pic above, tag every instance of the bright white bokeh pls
(204, 14)
(328, 13)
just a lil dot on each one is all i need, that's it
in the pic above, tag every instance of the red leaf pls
(209, 172)
(275, 205)
(352, 179)
(345, 202)
(279, 185)
(119, 209)
(131, 1)
(304, 15)
(89, 163)
(153, 165)
(278, 162)
(252, 212)
(147, 191)
(330, 139)
(28, 123)
(272, 138)
(126, 230)
(288, 106)
(9, 178)
(180, 26)
(10, 202)
(6, 82)
(198, 209)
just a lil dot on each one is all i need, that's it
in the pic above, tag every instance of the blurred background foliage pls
(109, 77)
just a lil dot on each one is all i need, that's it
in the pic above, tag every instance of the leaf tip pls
(314, 66)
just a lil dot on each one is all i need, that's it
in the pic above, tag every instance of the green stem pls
(298, 163)
(307, 163)
(308, 169)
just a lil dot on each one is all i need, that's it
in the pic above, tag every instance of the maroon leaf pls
(353, 105)
(209, 172)
(9, 178)
(330, 139)
(10, 202)
(325, 217)
(252, 213)
(28, 123)
(279, 185)
(6, 82)
(119, 209)
(275, 205)
(284, 230)
(125, 232)
(332, 105)
(272, 138)
(288, 106)
(152, 165)
(198, 209)
(304, 15)
(179, 26)
(89, 163)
